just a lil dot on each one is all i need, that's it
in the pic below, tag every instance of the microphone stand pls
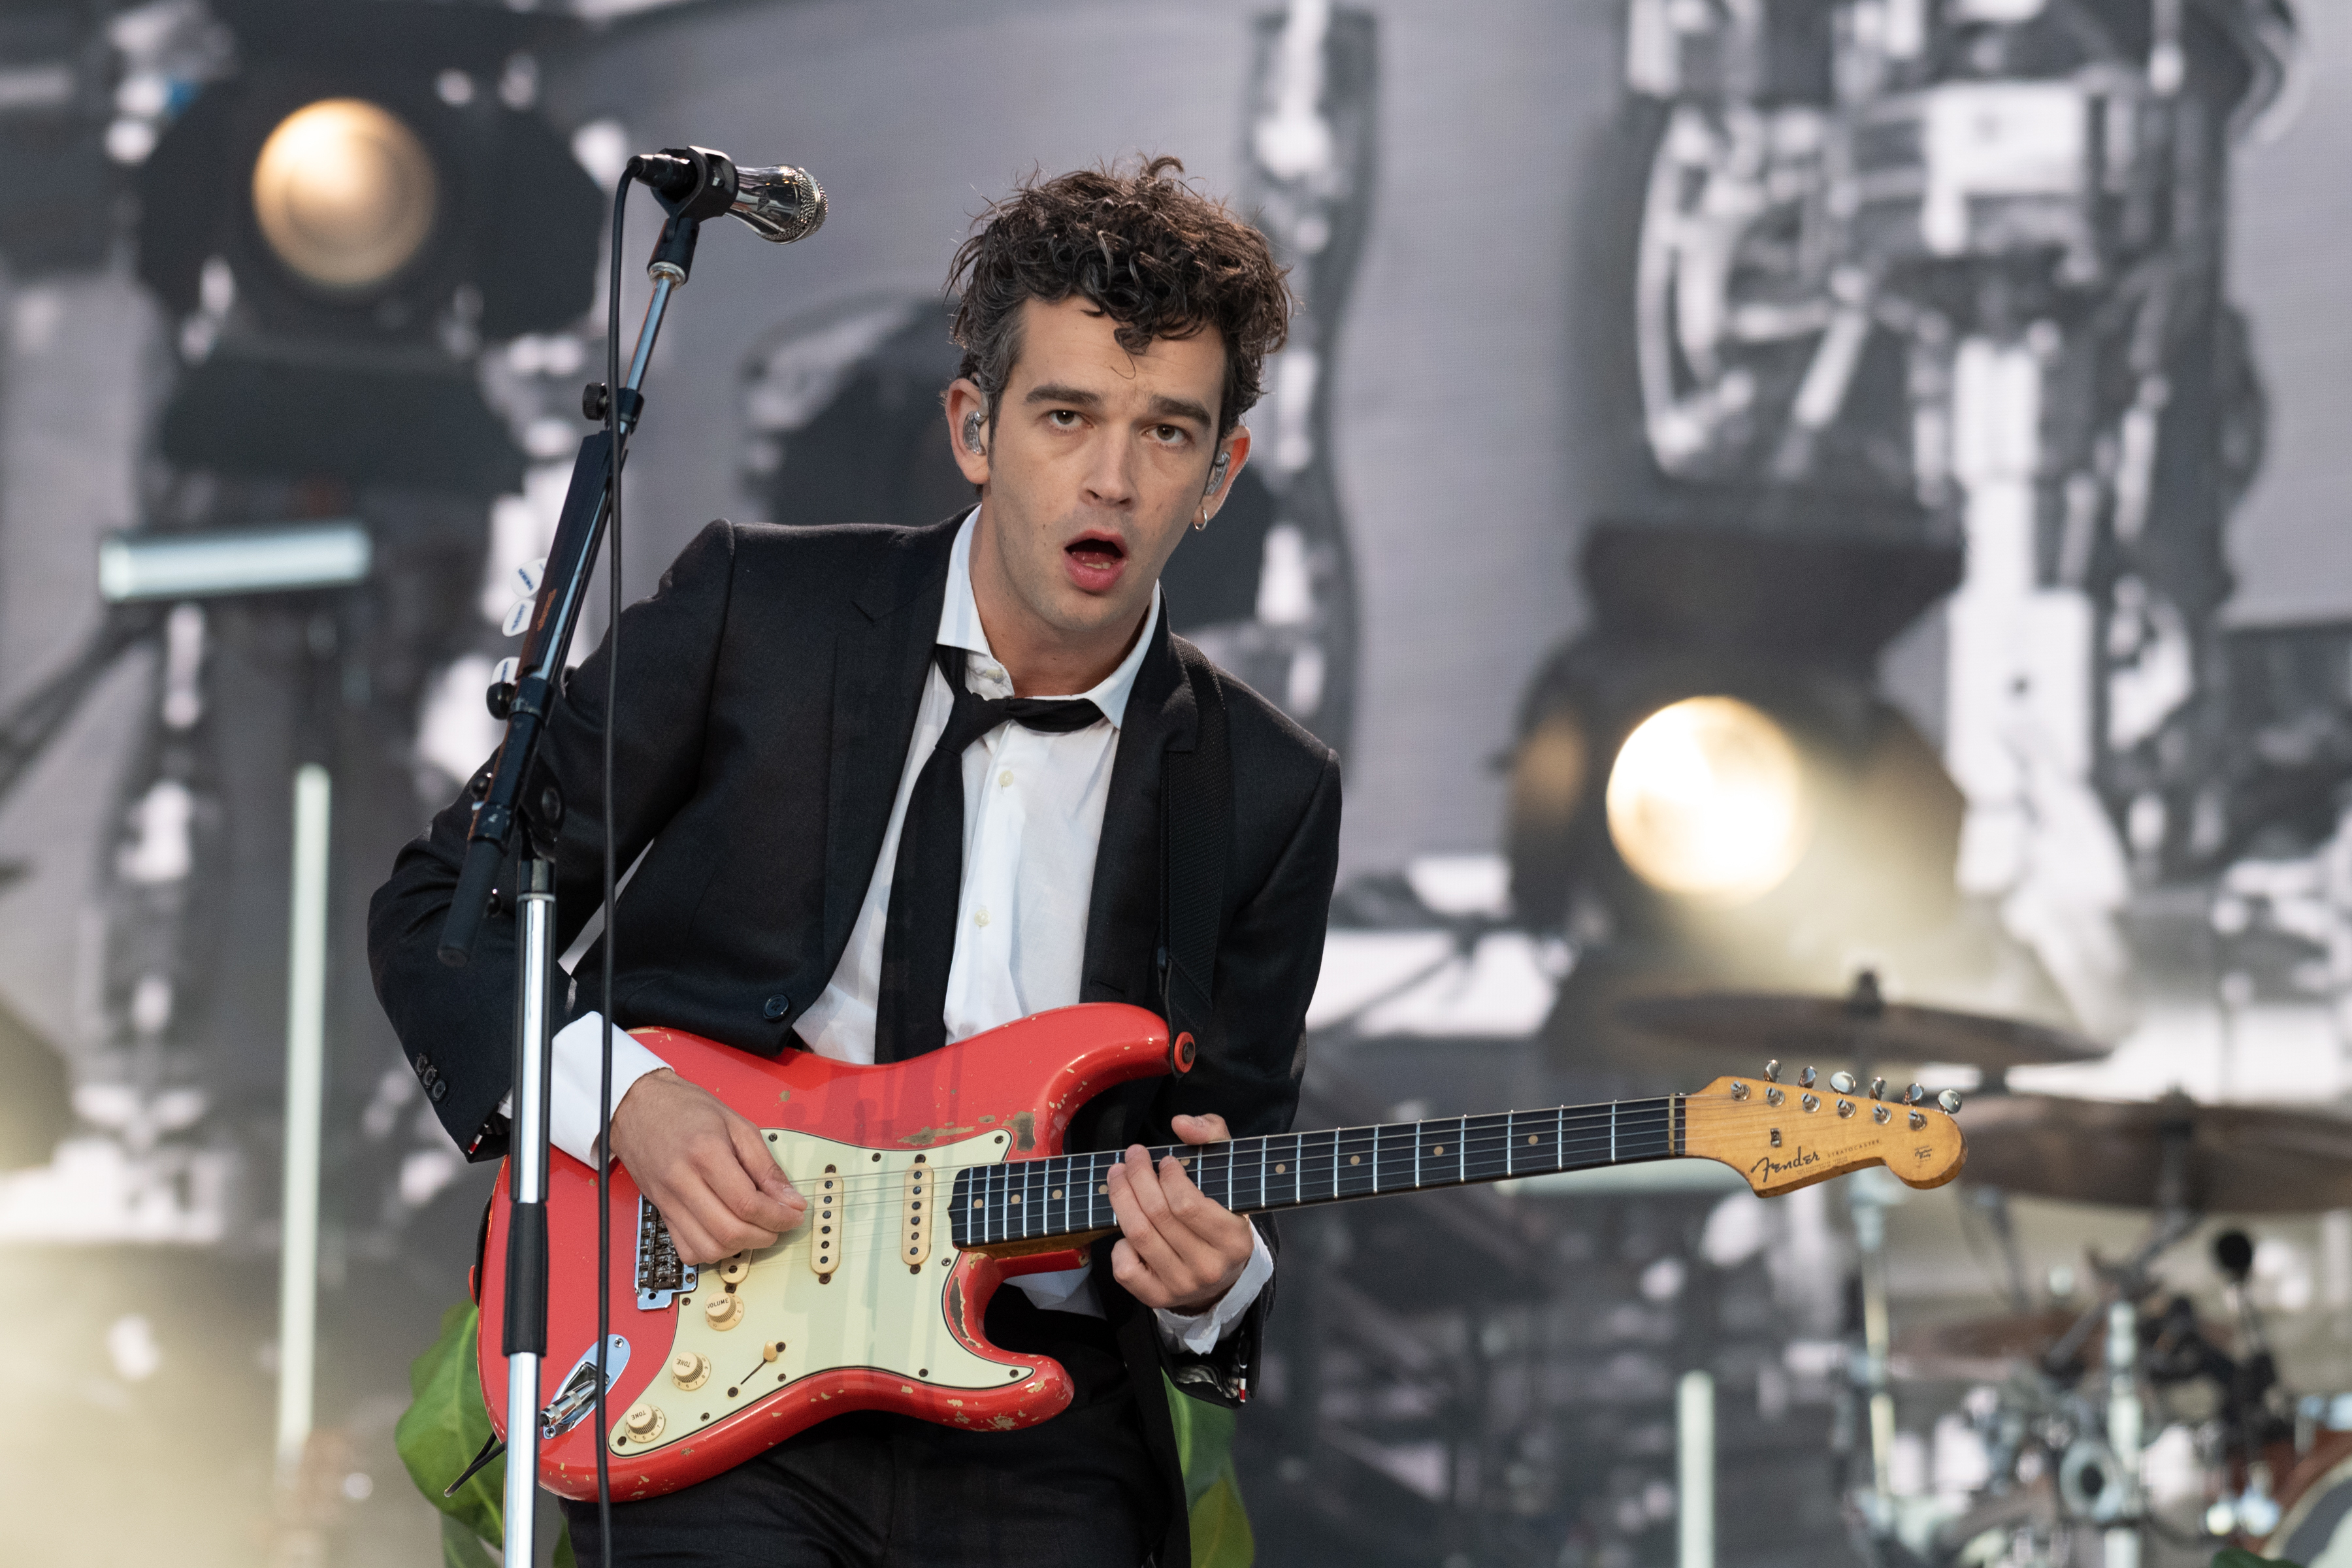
(524, 705)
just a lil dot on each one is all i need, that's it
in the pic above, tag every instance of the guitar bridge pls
(660, 1273)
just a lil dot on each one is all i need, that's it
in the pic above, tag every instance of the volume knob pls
(724, 1311)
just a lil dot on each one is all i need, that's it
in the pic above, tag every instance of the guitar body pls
(862, 1306)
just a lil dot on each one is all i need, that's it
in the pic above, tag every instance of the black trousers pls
(877, 1491)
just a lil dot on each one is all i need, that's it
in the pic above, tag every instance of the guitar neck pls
(1067, 1196)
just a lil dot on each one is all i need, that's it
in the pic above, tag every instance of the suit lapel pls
(1123, 908)
(879, 663)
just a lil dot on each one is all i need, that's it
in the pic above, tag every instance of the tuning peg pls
(1949, 1102)
(1914, 1095)
(1772, 1070)
(1843, 1082)
(1806, 1078)
(1878, 1089)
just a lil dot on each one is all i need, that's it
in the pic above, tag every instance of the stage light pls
(1706, 799)
(132, 568)
(345, 193)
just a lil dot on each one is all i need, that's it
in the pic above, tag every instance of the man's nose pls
(1111, 473)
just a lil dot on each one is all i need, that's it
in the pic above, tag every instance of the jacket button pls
(778, 1005)
(440, 1090)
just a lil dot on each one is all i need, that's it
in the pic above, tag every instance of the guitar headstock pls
(1786, 1136)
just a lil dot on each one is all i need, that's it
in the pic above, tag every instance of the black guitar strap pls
(1196, 835)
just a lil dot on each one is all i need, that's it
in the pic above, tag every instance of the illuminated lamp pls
(1706, 800)
(344, 193)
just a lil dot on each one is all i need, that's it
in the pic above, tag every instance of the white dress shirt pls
(1032, 815)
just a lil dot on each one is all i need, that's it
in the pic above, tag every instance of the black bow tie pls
(927, 880)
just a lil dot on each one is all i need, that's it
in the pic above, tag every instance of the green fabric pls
(2238, 1557)
(443, 1428)
(447, 1423)
(1204, 1446)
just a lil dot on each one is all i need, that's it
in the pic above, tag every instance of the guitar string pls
(1574, 1148)
(1474, 1149)
(861, 1193)
(1583, 1117)
(862, 1186)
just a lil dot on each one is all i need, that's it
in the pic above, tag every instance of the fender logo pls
(1923, 1153)
(1797, 1161)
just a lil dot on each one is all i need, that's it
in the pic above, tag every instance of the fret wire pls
(1376, 1159)
(1420, 1132)
(1462, 1152)
(1510, 1142)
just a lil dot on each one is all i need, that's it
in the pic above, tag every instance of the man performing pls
(896, 787)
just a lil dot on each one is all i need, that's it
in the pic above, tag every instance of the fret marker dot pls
(1054, 1193)
(1531, 1136)
(1439, 1150)
(1355, 1158)
(1280, 1169)
(1104, 1188)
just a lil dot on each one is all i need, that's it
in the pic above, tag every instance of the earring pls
(971, 435)
(1201, 521)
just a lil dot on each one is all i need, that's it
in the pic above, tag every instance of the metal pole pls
(1695, 1470)
(306, 1026)
(527, 1171)
(2122, 1541)
(1870, 1233)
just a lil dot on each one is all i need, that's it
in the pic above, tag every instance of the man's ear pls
(968, 431)
(1233, 455)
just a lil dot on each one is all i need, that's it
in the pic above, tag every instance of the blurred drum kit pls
(2068, 1415)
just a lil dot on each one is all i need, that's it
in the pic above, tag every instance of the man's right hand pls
(707, 1169)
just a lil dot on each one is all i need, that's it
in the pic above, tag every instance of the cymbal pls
(2240, 1159)
(1860, 1027)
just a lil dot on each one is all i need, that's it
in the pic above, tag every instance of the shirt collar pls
(960, 627)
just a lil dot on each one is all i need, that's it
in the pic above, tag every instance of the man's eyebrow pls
(1165, 407)
(1055, 391)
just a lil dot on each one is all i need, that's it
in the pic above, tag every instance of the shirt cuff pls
(572, 1085)
(1200, 1331)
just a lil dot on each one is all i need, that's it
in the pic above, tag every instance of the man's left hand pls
(1180, 1250)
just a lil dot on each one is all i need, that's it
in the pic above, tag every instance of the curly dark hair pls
(1159, 259)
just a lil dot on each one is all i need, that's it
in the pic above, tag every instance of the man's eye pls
(1170, 434)
(1062, 418)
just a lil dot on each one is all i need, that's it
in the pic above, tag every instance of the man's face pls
(1097, 464)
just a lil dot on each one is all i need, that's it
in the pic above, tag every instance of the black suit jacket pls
(768, 696)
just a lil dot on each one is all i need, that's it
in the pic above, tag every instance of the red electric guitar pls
(930, 1181)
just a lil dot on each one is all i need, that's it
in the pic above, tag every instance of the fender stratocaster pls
(930, 1181)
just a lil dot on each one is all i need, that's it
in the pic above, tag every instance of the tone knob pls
(643, 1423)
(723, 1310)
(689, 1369)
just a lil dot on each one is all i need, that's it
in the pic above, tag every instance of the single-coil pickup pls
(825, 1251)
(917, 1245)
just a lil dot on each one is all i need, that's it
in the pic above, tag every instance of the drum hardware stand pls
(525, 703)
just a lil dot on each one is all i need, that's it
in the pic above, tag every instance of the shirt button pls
(980, 916)
(777, 1006)
(1005, 779)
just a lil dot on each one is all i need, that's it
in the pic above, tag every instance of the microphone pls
(780, 203)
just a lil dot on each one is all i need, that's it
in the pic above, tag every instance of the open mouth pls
(1095, 552)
